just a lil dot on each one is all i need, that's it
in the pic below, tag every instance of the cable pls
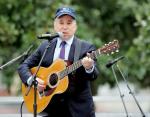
(21, 108)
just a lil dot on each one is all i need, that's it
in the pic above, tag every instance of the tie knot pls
(63, 43)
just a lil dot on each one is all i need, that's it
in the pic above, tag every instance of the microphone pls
(114, 61)
(50, 36)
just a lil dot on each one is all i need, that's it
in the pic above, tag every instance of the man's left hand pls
(87, 62)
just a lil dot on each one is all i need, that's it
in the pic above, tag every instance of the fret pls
(97, 53)
(94, 55)
(70, 69)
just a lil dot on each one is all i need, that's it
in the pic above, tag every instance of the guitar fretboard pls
(77, 64)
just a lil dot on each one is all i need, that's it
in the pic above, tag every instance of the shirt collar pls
(69, 41)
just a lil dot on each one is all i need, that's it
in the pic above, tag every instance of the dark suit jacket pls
(77, 100)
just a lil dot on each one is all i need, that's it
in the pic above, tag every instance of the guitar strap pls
(77, 50)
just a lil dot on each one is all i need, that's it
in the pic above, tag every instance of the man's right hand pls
(41, 86)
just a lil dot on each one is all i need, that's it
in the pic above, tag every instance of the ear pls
(55, 24)
(76, 26)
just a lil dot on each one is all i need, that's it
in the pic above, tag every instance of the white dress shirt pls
(67, 48)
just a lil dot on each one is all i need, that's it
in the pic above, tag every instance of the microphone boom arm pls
(15, 59)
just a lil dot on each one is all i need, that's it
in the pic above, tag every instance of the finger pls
(88, 55)
(40, 81)
(41, 87)
(91, 60)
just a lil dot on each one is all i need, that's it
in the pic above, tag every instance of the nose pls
(65, 27)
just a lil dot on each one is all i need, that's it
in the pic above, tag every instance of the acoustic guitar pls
(56, 78)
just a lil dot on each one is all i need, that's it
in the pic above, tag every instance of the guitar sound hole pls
(53, 79)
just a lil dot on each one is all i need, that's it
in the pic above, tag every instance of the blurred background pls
(99, 22)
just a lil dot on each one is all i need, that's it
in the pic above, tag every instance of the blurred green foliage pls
(98, 22)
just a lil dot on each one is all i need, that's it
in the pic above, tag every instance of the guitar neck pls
(77, 64)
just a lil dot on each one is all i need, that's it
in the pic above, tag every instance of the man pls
(77, 100)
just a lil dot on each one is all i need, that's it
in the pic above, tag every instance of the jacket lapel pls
(72, 50)
(51, 50)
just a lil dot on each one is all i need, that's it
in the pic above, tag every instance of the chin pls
(66, 37)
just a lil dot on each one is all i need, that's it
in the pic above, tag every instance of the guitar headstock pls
(110, 48)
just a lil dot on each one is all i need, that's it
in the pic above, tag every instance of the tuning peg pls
(110, 42)
(112, 52)
(115, 40)
(106, 44)
(117, 50)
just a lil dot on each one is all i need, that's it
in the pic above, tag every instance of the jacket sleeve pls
(81, 72)
(31, 61)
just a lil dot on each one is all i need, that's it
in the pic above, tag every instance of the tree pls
(99, 22)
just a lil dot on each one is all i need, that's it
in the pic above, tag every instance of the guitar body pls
(44, 74)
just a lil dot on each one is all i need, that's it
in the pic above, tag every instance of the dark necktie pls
(62, 51)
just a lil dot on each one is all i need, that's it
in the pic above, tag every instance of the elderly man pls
(77, 100)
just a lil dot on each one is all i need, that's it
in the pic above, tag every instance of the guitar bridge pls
(47, 91)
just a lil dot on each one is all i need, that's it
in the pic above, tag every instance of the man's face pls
(65, 24)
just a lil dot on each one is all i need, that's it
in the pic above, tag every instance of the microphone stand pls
(130, 91)
(121, 95)
(17, 58)
(35, 83)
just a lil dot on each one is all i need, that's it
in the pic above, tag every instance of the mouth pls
(65, 33)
